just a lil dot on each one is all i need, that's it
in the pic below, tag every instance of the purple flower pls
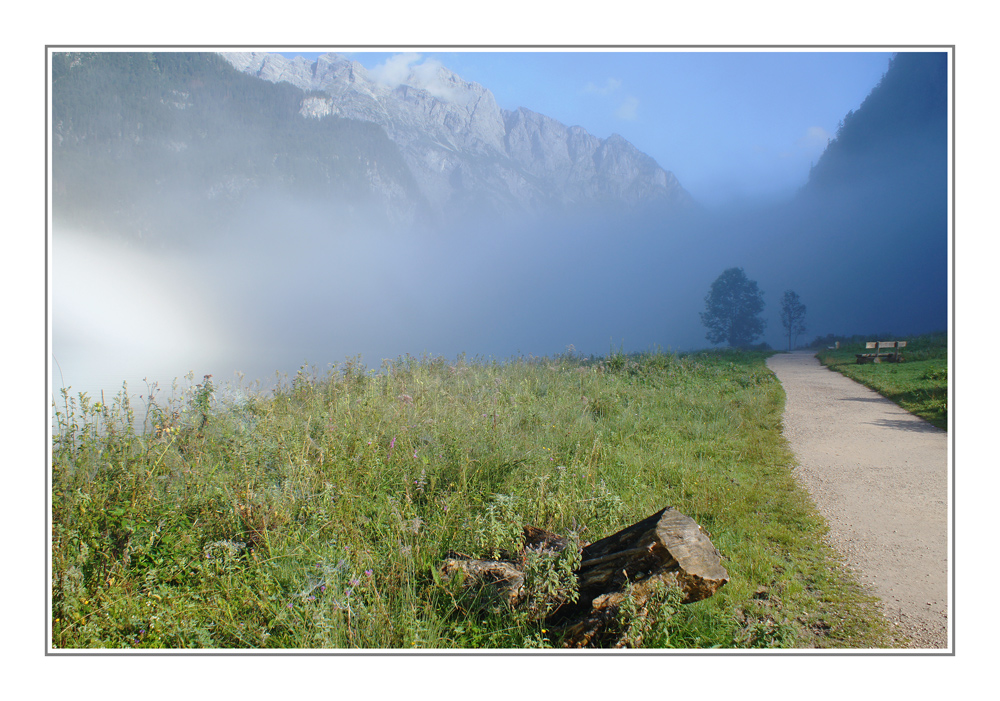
(368, 573)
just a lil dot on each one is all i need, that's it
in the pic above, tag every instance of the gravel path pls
(879, 476)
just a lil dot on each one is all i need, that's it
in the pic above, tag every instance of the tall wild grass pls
(315, 515)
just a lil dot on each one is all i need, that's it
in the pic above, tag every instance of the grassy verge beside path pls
(314, 516)
(919, 384)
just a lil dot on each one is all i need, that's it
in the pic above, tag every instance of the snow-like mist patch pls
(408, 69)
(122, 314)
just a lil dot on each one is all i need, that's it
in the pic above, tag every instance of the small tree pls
(732, 309)
(793, 316)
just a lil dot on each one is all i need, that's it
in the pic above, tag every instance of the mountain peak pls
(445, 125)
(272, 67)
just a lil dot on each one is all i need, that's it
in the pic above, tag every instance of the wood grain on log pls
(665, 548)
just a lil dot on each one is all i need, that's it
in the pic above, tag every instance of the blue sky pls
(733, 126)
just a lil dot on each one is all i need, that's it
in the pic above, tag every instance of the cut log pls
(667, 548)
(504, 577)
(666, 542)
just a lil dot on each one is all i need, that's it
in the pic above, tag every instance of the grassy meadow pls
(919, 384)
(315, 515)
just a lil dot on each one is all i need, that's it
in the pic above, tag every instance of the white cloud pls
(395, 70)
(609, 86)
(432, 76)
(407, 69)
(813, 138)
(628, 109)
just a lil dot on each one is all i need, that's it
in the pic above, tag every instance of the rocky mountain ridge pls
(464, 150)
(157, 145)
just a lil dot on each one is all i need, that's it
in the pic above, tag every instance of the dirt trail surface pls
(879, 475)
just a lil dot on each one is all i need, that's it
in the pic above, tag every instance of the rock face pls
(158, 145)
(466, 152)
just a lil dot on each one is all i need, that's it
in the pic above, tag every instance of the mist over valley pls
(250, 213)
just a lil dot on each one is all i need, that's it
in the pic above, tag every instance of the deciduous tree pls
(793, 316)
(732, 309)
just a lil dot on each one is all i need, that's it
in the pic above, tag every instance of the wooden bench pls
(894, 354)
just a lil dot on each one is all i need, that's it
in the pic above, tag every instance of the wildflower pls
(368, 573)
(354, 582)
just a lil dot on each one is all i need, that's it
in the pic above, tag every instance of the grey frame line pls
(951, 48)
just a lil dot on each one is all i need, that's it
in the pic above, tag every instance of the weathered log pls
(668, 548)
(504, 577)
(667, 541)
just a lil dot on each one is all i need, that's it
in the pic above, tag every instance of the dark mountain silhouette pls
(865, 241)
(901, 126)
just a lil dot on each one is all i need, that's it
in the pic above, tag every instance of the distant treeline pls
(830, 339)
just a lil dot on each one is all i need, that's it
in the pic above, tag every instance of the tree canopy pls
(732, 309)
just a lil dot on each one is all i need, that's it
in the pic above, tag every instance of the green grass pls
(919, 384)
(314, 516)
